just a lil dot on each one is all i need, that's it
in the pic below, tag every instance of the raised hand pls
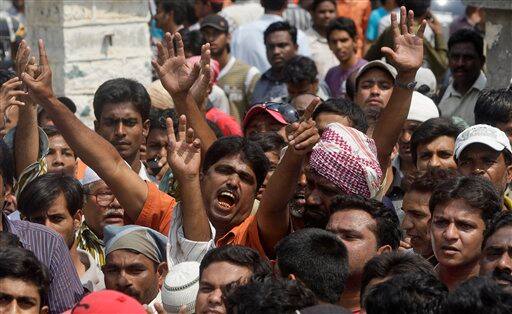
(184, 153)
(171, 66)
(199, 89)
(39, 84)
(9, 93)
(407, 55)
(303, 135)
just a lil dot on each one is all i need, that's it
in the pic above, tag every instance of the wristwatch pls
(410, 85)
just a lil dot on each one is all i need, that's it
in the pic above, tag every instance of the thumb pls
(27, 79)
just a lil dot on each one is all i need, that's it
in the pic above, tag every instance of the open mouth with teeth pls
(226, 199)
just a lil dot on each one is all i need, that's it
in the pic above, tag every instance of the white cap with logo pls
(482, 134)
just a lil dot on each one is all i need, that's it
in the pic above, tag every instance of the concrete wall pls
(91, 41)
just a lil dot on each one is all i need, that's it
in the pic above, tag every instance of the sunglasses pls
(287, 111)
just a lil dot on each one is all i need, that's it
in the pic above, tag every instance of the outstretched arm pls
(130, 190)
(186, 84)
(273, 215)
(407, 57)
(184, 157)
(26, 139)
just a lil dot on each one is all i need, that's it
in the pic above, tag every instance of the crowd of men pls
(307, 161)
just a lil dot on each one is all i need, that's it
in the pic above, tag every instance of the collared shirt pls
(49, 248)
(463, 106)
(320, 52)
(268, 88)
(93, 278)
(89, 242)
(245, 234)
(248, 45)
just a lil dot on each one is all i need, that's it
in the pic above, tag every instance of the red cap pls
(261, 108)
(107, 302)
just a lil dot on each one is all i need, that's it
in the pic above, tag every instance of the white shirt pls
(93, 278)
(320, 53)
(181, 249)
(248, 45)
(463, 106)
(219, 99)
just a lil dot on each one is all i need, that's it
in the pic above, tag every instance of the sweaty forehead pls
(236, 162)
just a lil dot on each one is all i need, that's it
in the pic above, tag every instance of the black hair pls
(479, 295)
(273, 5)
(19, 263)
(51, 131)
(270, 295)
(341, 24)
(501, 220)
(476, 191)
(389, 264)
(281, 26)
(268, 141)
(8, 239)
(40, 194)
(419, 7)
(6, 164)
(316, 257)
(416, 293)
(468, 36)
(426, 181)
(70, 104)
(176, 6)
(346, 108)
(237, 255)
(387, 231)
(316, 3)
(192, 41)
(299, 69)
(6, 75)
(429, 131)
(157, 119)
(120, 90)
(493, 106)
(249, 152)
(216, 7)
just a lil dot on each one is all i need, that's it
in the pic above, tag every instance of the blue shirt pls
(268, 88)
(372, 31)
(247, 42)
(49, 248)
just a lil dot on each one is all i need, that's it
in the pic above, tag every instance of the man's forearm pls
(196, 226)
(26, 139)
(392, 118)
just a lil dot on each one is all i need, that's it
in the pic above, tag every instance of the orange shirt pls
(245, 234)
(157, 211)
(359, 11)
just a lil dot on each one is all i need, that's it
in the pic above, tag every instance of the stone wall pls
(91, 41)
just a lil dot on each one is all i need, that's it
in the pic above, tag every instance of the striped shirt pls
(49, 248)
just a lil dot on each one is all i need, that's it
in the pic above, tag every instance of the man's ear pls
(384, 249)
(162, 270)
(77, 219)
(145, 129)
(96, 125)
(44, 310)
(509, 174)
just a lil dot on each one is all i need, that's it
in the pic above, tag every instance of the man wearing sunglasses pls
(269, 117)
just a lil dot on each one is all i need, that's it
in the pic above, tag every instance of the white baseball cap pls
(422, 108)
(482, 134)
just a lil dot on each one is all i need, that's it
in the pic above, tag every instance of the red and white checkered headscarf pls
(347, 158)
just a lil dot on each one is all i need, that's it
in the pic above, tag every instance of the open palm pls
(184, 153)
(407, 54)
(171, 65)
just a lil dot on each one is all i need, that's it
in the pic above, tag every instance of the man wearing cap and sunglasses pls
(269, 117)
(483, 150)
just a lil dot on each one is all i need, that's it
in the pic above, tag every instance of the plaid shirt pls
(49, 248)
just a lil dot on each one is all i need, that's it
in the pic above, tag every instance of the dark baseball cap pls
(216, 21)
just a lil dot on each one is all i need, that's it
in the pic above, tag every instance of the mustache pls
(114, 211)
(500, 274)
